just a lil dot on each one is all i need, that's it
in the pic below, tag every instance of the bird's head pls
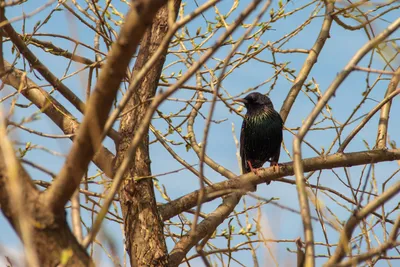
(256, 102)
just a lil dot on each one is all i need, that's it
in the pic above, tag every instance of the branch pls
(337, 160)
(42, 69)
(54, 110)
(88, 139)
(45, 234)
(367, 118)
(298, 166)
(206, 227)
(309, 62)
(384, 118)
(356, 218)
(194, 144)
(57, 51)
(376, 251)
(15, 190)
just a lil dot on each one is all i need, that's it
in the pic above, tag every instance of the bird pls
(261, 134)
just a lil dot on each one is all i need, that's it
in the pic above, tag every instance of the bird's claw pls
(275, 166)
(255, 170)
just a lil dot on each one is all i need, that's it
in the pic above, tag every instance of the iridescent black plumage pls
(261, 134)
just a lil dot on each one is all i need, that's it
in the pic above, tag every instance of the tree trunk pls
(52, 239)
(145, 241)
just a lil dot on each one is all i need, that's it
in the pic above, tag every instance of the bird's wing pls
(278, 140)
(242, 152)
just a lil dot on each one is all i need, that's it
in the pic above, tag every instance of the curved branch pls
(356, 218)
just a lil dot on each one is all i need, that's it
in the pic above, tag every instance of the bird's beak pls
(241, 100)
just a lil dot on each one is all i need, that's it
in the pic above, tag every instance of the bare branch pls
(55, 111)
(338, 160)
(42, 69)
(381, 138)
(356, 218)
(298, 165)
(206, 227)
(309, 62)
(367, 118)
(88, 139)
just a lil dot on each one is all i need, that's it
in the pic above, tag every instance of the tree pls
(164, 122)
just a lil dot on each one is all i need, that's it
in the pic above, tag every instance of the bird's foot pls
(255, 170)
(275, 165)
(254, 187)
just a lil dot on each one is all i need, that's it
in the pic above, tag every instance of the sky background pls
(276, 223)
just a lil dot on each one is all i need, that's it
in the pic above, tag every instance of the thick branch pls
(205, 228)
(337, 160)
(54, 110)
(88, 140)
(50, 233)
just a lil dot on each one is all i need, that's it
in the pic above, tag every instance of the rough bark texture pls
(52, 239)
(51, 235)
(145, 241)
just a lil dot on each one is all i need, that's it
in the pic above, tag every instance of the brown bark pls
(54, 110)
(145, 241)
(338, 160)
(89, 137)
(51, 235)
(381, 138)
(52, 239)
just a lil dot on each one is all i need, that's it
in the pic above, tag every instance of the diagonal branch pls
(88, 139)
(48, 75)
(298, 165)
(356, 218)
(206, 227)
(353, 133)
(42, 69)
(309, 62)
(391, 243)
(54, 110)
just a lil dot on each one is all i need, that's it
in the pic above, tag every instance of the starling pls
(261, 134)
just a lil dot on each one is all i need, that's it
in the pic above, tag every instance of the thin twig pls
(381, 137)
(366, 119)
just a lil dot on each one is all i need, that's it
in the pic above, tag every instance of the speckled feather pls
(261, 134)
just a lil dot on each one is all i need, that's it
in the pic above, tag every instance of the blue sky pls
(277, 223)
